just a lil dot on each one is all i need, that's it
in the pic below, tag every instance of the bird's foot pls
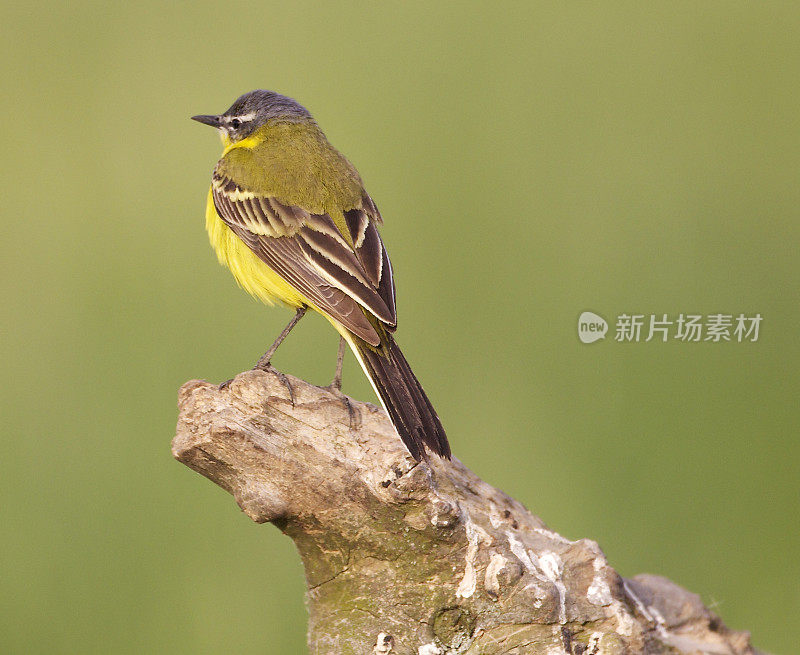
(355, 417)
(263, 366)
(258, 367)
(267, 367)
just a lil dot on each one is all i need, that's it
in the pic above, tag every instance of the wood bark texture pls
(420, 558)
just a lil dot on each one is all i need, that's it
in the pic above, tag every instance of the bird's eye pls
(236, 123)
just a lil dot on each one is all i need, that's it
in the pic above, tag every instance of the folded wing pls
(338, 275)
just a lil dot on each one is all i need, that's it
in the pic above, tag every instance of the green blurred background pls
(532, 161)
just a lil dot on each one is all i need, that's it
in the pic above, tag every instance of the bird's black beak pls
(213, 121)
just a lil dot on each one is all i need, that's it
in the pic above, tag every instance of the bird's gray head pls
(252, 110)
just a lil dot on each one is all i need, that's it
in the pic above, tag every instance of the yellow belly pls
(253, 275)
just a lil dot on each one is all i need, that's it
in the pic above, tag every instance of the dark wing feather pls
(308, 251)
(372, 255)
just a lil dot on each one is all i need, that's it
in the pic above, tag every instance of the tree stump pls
(420, 558)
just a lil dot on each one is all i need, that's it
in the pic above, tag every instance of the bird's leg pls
(263, 362)
(336, 383)
(336, 386)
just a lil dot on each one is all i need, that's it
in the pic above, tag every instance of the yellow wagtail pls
(289, 216)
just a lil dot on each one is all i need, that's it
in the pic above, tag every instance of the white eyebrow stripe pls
(244, 117)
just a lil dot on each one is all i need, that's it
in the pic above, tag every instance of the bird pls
(290, 217)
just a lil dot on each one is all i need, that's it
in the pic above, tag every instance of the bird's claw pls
(355, 418)
(286, 384)
(267, 367)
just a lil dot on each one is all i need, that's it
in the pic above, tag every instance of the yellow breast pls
(253, 275)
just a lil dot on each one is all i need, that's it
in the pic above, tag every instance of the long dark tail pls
(411, 412)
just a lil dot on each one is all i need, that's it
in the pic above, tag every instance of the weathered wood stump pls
(425, 558)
